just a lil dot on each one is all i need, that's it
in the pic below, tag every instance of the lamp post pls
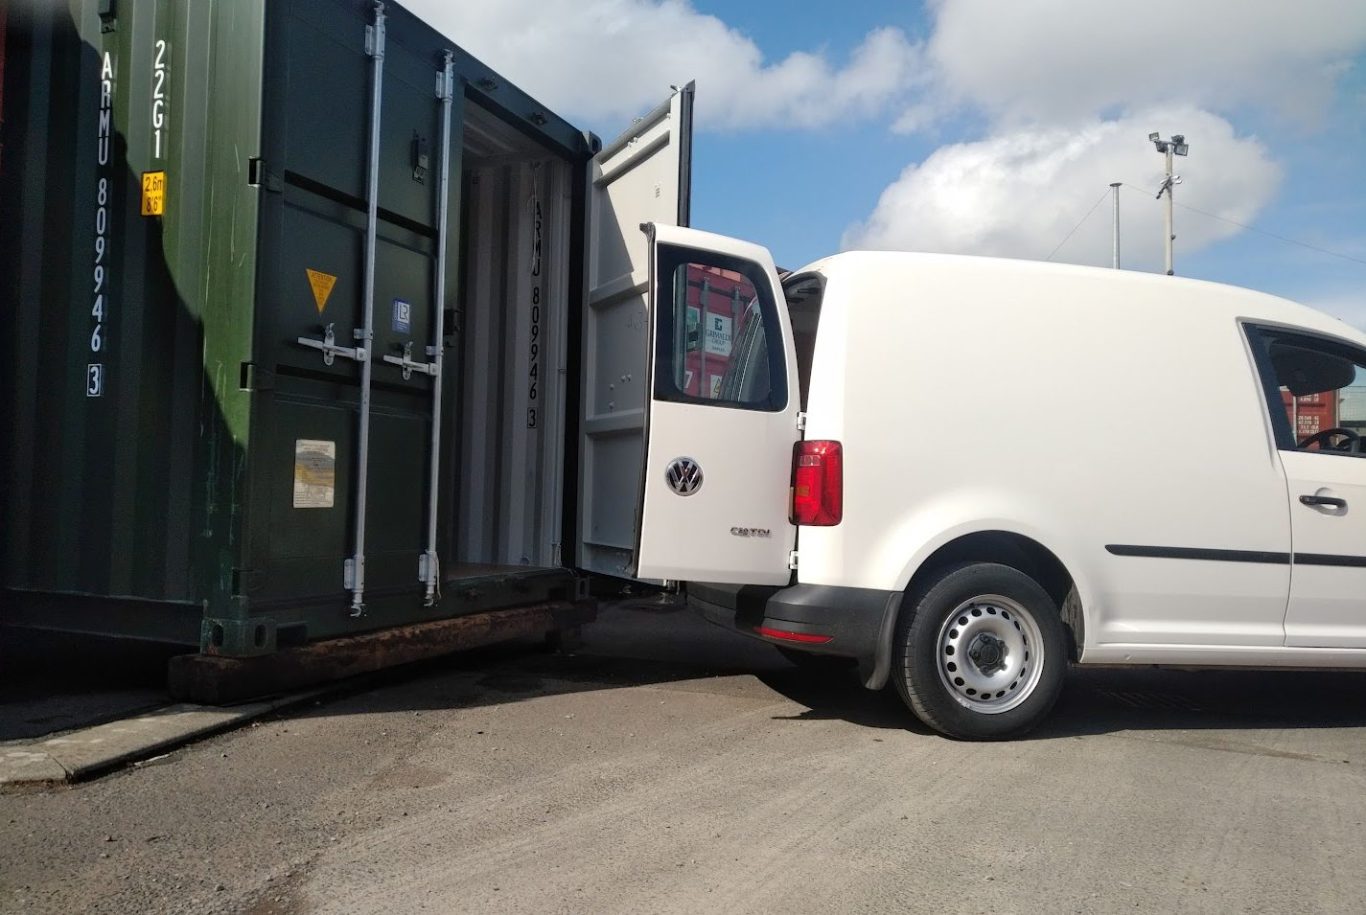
(1114, 192)
(1178, 146)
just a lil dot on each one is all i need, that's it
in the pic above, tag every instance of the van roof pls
(1133, 287)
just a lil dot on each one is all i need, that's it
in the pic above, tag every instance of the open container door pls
(641, 177)
(689, 400)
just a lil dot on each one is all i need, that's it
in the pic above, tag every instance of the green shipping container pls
(296, 300)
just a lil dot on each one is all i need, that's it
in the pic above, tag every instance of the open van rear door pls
(689, 398)
(722, 414)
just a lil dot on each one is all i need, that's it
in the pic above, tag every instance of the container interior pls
(510, 350)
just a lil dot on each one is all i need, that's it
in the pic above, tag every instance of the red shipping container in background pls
(1312, 413)
(718, 303)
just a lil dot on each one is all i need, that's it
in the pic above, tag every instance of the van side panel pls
(1054, 402)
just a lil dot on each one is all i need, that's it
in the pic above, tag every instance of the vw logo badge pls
(684, 476)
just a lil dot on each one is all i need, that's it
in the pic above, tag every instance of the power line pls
(1241, 225)
(1078, 225)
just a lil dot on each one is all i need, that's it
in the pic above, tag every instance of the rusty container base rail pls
(220, 680)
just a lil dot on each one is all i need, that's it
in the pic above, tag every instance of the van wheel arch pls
(1015, 550)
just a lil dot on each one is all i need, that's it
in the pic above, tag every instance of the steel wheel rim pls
(990, 654)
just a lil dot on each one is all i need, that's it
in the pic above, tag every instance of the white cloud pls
(1068, 90)
(1018, 193)
(1051, 59)
(609, 60)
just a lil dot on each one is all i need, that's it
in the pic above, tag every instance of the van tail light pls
(804, 638)
(818, 483)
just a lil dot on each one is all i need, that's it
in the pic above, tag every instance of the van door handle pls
(1326, 501)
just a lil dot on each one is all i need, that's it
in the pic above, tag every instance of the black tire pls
(813, 663)
(926, 638)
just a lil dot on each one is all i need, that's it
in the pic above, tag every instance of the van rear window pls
(718, 340)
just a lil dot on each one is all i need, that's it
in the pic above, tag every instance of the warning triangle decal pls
(322, 284)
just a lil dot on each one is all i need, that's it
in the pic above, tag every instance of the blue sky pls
(981, 127)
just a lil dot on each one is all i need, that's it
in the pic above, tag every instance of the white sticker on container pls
(315, 473)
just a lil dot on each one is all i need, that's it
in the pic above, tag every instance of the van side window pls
(717, 340)
(1316, 389)
(804, 292)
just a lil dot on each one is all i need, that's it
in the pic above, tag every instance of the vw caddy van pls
(965, 474)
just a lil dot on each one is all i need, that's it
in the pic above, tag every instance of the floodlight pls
(1154, 136)
(1181, 149)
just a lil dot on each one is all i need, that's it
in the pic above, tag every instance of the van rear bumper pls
(859, 622)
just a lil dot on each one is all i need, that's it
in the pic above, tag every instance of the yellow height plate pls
(321, 284)
(153, 193)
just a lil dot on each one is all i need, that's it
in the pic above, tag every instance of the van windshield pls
(804, 292)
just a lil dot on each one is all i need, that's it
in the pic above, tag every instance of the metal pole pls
(1114, 188)
(1170, 188)
(376, 49)
(446, 90)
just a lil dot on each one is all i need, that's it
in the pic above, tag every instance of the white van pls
(967, 473)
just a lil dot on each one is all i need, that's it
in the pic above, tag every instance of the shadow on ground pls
(53, 683)
(644, 644)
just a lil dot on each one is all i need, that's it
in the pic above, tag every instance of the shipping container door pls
(350, 238)
(641, 177)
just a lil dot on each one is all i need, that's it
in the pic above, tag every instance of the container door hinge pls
(109, 13)
(255, 378)
(792, 560)
(801, 422)
(258, 175)
(409, 366)
(328, 344)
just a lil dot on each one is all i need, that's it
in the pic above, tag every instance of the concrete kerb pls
(92, 751)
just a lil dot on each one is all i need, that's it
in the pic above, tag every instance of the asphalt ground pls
(669, 766)
(52, 682)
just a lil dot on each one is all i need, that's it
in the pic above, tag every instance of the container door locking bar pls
(353, 570)
(328, 344)
(428, 567)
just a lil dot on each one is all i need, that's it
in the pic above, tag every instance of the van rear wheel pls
(980, 652)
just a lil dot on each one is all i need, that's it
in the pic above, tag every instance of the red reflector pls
(818, 483)
(786, 636)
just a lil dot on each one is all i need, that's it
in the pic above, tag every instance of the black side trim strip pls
(1185, 552)
(1328, 559)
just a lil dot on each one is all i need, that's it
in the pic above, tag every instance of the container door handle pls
(1324, 501)
(328, 344)
(406, 362)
